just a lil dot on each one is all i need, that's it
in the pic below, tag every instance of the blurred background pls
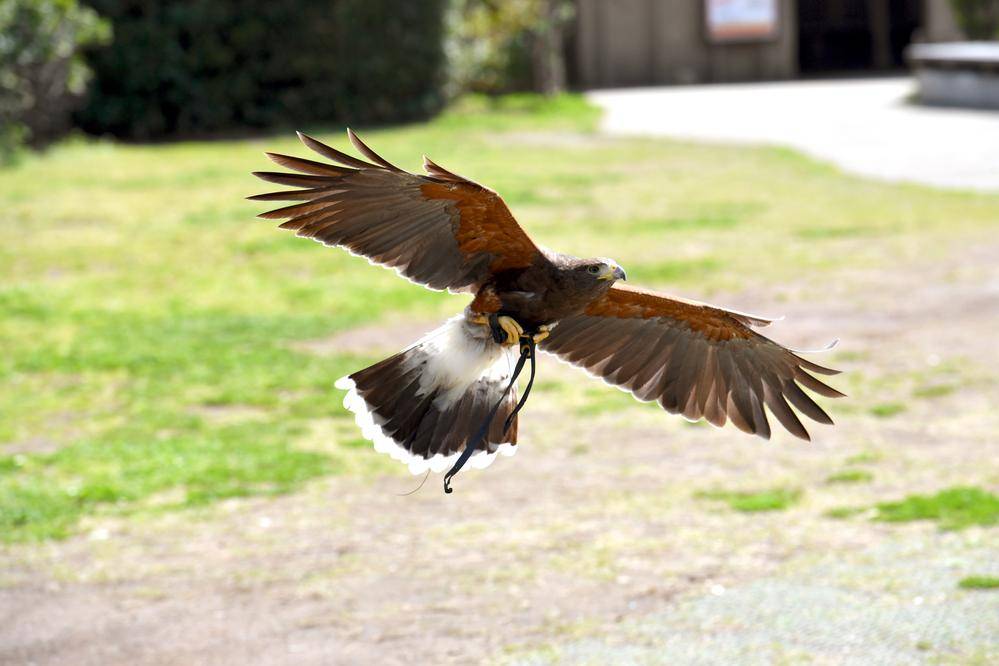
(180, 484)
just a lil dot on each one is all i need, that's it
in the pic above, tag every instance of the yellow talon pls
(543, 332)
(512, 328)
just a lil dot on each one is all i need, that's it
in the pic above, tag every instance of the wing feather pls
(309, 167)
(332, 153)
(293, 179)
(694, 359)
(367, 152)
(440, 230)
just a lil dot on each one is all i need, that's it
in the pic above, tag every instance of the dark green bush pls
(41, 72)
(190, 67)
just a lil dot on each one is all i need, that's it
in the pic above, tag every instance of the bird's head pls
(595, 276)
(602, 269)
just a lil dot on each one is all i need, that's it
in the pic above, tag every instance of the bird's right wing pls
(693, 359)
(441, 230)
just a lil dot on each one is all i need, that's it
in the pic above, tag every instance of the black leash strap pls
(530, 382)
(527, 351)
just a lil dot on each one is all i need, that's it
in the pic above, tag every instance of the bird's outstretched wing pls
(693, 359)
(440, 230)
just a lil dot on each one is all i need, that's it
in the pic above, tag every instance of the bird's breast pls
(535, 308)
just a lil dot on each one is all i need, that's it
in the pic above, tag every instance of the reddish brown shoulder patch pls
(485, 224)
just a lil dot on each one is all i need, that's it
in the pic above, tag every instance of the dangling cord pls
(526, 351)
(417, 488)
(527, 340)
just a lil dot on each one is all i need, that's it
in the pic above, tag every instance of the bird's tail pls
(424, 405)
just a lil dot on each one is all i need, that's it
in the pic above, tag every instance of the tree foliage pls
(42, 74)
(498, 46)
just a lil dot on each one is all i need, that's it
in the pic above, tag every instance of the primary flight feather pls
(424, 404)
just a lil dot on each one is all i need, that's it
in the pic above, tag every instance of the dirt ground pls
(589, 545)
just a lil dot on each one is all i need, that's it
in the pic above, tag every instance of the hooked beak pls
(613, 272)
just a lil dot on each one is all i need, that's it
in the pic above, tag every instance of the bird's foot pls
(512, 328)
(505, 330)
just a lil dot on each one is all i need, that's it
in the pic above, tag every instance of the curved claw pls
(543, 332)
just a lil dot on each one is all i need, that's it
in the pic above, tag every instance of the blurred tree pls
(500, 46)
(42, 75)
(979, 19)
(190, 67)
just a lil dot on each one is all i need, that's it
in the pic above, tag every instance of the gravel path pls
(892, 603)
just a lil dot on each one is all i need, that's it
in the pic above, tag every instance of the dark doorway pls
(851, 35)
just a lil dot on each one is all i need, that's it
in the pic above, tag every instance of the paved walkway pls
(866, 126)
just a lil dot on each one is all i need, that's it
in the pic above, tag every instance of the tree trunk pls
(548, 50)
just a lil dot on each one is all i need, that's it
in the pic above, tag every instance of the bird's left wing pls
(440, 230)
(693, 359)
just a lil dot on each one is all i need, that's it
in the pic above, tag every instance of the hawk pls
(425, 404)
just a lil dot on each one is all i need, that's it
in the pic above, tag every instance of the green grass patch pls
(933, 390)
(850, 476)
(836, 232)
(953, 509)
(773, 499)
(887, 409)
(979, 583)
(596, 398)
(865, 458)
(124, 467)
(519, 112)
(674, 270)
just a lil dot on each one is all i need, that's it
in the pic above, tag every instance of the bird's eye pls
(593, 270)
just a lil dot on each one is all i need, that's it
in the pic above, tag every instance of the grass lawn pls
(148, 322)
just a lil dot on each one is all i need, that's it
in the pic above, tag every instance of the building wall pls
(652, 42)
(648, 42)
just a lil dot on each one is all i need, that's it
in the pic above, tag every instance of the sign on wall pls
(741, 20)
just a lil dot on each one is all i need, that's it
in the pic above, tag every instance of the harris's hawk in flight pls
(426, 404)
